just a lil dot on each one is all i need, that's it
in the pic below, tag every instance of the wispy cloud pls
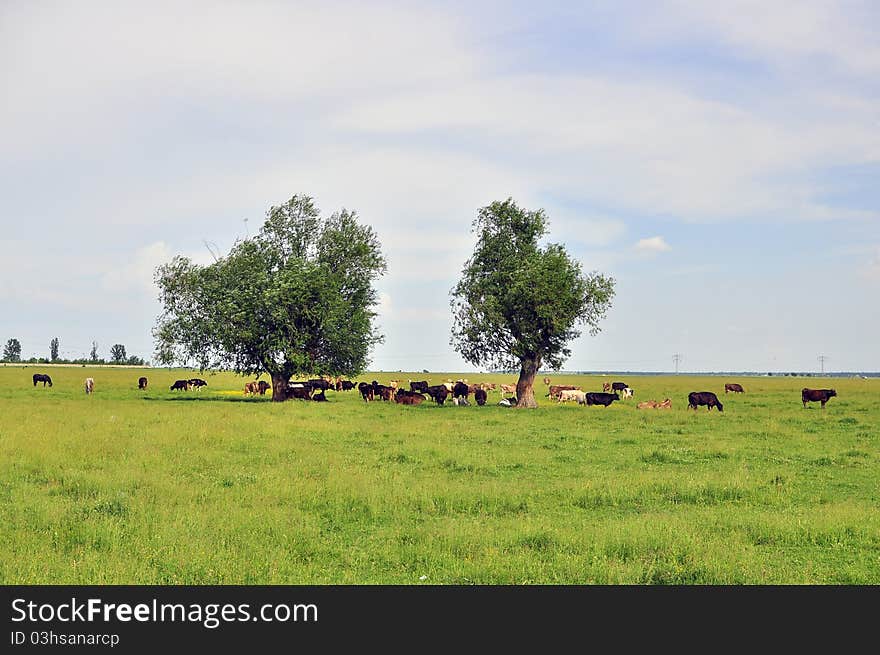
(652, 245)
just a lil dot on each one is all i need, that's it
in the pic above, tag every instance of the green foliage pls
(518, 301)
(296, 299)
(12, 351)
(93, 355)
(53, 349)
(117, 353)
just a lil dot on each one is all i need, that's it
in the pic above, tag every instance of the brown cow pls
(250, 388)
(647, 404)
(556, 388)
(734, 387)
(263, 387)
(817, 395)
(606, 386)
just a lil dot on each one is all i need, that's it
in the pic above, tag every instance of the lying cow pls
(817, 395)
(601, 398)
(404, 397)
(707, 398)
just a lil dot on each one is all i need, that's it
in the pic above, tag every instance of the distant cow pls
(707, 398)
(40, 377)
(601, 398)
(547, 381)
(180, 384)
(733, 386)
(647, 404)
(263, 387)
(319, 383)
(666, 404)
(404, 397)
(627, 392)
(418, 387)
(197, 383)
(618, 386)
(90, 385)
(606, 386)
(250, 388)
(817, 395)
(142, 383)
(509, 388)
(480, 396)
(556, 388)
(366, 390)
(347, 385)
(572, 394)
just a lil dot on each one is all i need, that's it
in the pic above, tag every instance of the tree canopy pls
(296, 299)
(519, 303)
(12, 351)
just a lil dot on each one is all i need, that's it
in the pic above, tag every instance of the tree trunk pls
(279, 387)
(525, 393)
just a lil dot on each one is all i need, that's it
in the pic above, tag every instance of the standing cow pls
(816, 395)
(707, 398)
(90, 385)
(142, 383)
(41, 377)
(734, 387)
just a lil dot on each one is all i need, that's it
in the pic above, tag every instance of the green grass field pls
(162, 487)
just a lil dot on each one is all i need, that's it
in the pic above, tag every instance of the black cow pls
(618, 386)
(319, 383)
(460, 390)
(419, 387)
(181, 384)
(366, 391)
(142, 383)
(707, 398)
(480, 396)
(198, 383)
(299, 390)
(438, 393)
(383, 391)
(817, 395)
(733, 386)
(263, 387)
(347, 385)
(320, 397)
(600, 398)
(40, 377)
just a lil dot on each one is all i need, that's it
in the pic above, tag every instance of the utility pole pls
(822, 359)
(676, 358)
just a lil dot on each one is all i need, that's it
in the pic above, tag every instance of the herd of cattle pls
(460, 392)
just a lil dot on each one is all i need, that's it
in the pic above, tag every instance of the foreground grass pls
(168, 487)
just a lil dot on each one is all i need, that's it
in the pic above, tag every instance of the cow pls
(384, 392)
(460, 390)
(40, 377)
(606, 386)
(571, 394)
(90, 385)
(480, 396)
(180, 384)
(817, 395)
(251, 388)
(547, 381)
(348, 385)
(198, 383)
(366, 390)
(733, 386)
(301, 390)
(618, 386)
(707, 398)
(508, 402)
(404, 397)
(460, 401)
(263, 387)
(142, 383)
(508, 388)
(556, 388)
(319, 383)
(601, 398)
(438, 393)
(666, 404)
(647, 404)
(627, 392)
(419, 386)
(320, 397)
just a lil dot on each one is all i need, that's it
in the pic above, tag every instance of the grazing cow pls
(460, 390)
(347, 385)
(366, 391)
(707, 398)
(572, 394)
(618, 386)
(40, 377)
(556, 388)
(142, 383)
(817, 395)
(180, 384)
(197, 383)
(627, 392)
(480, 396)
(508, 388)
(438, 393)
(601, 398)
(647, 404)
(250, 388)
(733, 386)
(263, 387)
(418, 387)
(90, 385)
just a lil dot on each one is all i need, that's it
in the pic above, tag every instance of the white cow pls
(572, 394)
(627, 393)
(90, 385)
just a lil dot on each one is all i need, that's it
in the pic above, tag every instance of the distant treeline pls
(85, 361)
(838, 374)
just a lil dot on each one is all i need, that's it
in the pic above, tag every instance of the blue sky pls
(720, 160)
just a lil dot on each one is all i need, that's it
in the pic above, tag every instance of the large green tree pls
(53, 349)
(12, 351)
(296, 299)
(519, 303)
(117, 353)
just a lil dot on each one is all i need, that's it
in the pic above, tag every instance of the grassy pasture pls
(162, 487)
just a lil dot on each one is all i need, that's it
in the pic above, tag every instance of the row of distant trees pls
(118, 355)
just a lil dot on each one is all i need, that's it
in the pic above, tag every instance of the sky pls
(719, 160)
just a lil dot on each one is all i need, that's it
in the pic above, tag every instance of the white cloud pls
(652, 245)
